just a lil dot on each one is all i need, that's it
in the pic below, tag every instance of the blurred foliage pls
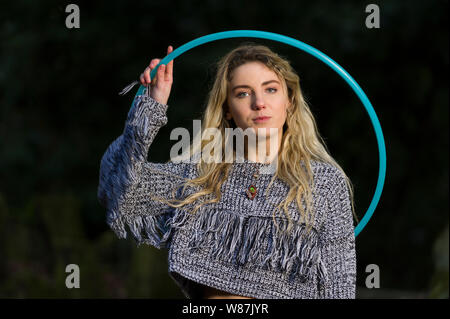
(59, 110)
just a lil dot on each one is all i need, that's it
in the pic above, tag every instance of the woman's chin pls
(266, 131)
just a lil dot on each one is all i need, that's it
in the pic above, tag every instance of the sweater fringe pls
(237, 239)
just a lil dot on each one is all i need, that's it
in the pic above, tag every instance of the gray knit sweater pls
(231, 245)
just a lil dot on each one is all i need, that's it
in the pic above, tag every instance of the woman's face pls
(256, 91)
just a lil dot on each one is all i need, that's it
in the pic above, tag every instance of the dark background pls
(60, 109)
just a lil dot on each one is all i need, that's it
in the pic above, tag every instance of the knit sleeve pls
(338, 242)
(127, 180)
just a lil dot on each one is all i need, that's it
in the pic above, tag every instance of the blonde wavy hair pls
(300, 140)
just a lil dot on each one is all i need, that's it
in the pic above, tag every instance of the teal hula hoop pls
(325, 59)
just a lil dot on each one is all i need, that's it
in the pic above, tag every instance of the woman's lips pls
(261, 119)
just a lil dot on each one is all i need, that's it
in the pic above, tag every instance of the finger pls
(169, 67)
(147, 75)
(148, 70)
(142, 79)
(150, 67)
(161, 71)
(153, 65)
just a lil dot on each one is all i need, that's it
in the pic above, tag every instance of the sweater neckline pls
(246, 165)
(243, 162)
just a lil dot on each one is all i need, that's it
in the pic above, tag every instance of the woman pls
(263, 225)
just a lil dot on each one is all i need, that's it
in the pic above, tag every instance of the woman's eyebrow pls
(248, 87)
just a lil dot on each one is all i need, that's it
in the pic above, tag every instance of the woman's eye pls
(240, 94)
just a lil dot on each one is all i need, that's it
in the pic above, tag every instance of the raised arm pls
(127, 179)
(337, 242)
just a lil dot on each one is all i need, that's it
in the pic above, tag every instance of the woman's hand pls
(162, 81)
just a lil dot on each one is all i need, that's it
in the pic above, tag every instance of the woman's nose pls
(259, 103)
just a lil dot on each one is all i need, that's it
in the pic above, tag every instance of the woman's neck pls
(271, 143)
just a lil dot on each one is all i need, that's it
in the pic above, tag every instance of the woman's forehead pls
(242, 76)
(248, 69)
